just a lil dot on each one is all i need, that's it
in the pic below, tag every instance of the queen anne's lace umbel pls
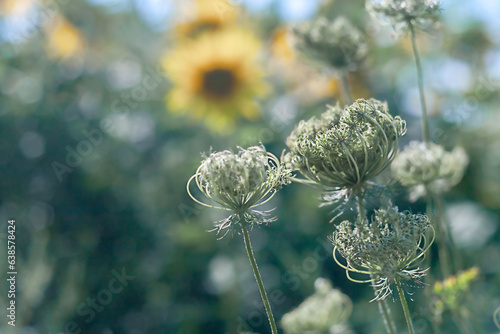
(388, 248)
(345, 148)
(336, 45)
(326, 311)
(239, 182)
(401, 14)
(427, 167)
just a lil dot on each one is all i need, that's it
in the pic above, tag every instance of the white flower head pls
(421, 14)
(239, 182)
(325, 312)
(337, 45)
(427, 166)
(345, 148)
(389, 248)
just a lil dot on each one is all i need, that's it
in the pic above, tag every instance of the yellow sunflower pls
(207, 15)
(216, 77)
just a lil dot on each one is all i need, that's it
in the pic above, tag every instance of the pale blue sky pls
(158, 13)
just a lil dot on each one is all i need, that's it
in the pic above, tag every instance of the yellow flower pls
(452, 291)
(281, 47)
(216, 77)
(63, 39)
(208, 15)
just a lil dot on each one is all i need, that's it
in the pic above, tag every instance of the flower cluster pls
(336, 45)
(387, 248)
(451, 292)
(240, 181)
(428, 167)
(325, 312)
(345, 148)
(402, 13)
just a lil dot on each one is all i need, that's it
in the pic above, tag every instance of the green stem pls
(406, 310)
(256, 273)
(384, 309)
(425, 120)
(345, 88)
(429, 212)
(435, 325)
(361, 206)
(444, 258)
(461, 322)
(429, 281)
(434, 213)
(438, 200)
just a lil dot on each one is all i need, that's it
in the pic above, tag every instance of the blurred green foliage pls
(117, 202)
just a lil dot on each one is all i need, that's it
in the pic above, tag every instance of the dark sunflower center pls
(219, 83)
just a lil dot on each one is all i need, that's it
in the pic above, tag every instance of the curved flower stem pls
(496, 315)
(256, 273)
(406, 310)
(425, 120)
(345, 88)
(384, 309)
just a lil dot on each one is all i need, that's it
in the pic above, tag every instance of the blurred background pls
(106, 107)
